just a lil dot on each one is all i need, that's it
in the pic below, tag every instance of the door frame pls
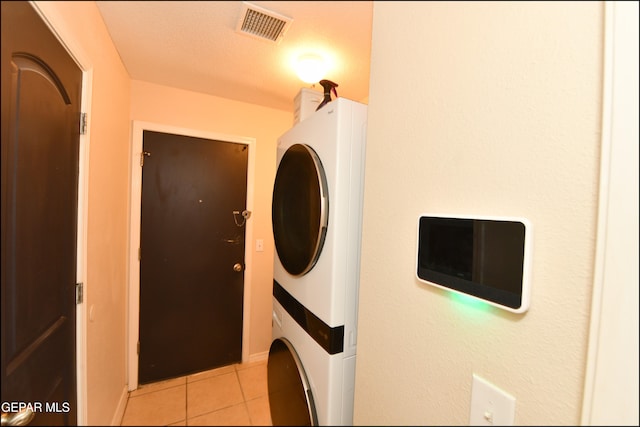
(56, 23)
(133, 320)
(611, 374)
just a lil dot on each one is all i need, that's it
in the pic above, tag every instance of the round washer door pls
(300, 209)
(290, 398)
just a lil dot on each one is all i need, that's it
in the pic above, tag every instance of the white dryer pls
(317, 218)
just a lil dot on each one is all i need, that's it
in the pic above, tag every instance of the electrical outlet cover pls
(489, 405)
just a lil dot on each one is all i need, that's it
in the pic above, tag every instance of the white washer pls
(317, 218)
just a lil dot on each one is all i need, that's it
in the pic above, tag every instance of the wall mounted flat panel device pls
(488, 258)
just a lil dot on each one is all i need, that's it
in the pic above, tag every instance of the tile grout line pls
(244, 398)
(124, 413)
(186, 401)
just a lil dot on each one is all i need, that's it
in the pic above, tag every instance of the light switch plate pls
(489, 405)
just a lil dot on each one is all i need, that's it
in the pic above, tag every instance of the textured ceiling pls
(194, 45)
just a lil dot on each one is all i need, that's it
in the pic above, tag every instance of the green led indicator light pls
(468, 300)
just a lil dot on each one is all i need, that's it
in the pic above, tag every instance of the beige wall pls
(81, 28)
(184, 109)
(486, 108)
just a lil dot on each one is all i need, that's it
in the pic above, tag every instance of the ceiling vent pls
(262, 23)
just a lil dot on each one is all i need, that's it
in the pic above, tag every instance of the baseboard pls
(122, 405)
(259, 357)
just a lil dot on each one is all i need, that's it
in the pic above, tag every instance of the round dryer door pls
(290, 398)
(300, 209)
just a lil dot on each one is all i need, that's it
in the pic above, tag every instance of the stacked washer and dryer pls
(317, 217)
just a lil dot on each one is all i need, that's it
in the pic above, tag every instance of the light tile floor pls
(234, 395)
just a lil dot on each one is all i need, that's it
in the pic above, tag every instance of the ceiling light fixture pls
(310, 68)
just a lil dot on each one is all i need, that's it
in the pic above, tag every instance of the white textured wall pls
(487, 108)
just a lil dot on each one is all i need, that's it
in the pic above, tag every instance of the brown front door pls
(41, 89)
(191, 296)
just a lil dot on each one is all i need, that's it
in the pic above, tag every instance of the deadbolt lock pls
(237, 267)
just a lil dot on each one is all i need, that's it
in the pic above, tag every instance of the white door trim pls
(611, 377)
(133, 320)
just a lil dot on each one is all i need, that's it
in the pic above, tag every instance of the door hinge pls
(83, 123)
(79, 293)
(138, 348)
(144, 153)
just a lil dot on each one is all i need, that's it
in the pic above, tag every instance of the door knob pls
(237, 267)
(20, 418)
